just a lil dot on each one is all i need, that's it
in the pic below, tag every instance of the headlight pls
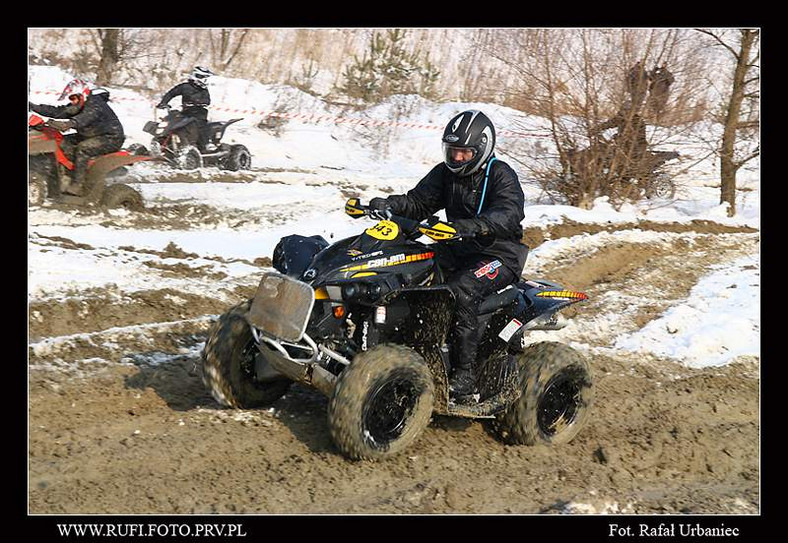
(353, 290)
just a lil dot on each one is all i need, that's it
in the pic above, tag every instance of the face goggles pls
(200, 80)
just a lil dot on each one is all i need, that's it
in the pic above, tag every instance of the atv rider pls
(98, 129)
(484, 204)
(195, 100)
(630, 143)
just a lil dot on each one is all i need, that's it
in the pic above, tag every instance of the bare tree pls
(109, 48)
(577, 78)
(741, 108)
(118, 49)
(226, 43)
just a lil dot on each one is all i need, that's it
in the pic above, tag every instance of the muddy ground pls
(119, 421)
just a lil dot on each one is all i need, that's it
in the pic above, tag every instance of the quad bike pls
(365, 321)
(643, 177)
(168, 144)
(48, 164)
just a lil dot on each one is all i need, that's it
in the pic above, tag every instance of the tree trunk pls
(110, 55)
(728, 165)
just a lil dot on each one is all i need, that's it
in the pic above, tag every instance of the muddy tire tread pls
(346, 404)
(122, 196)
(538, 363)
(222, 376)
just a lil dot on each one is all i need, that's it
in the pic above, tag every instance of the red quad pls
(47, 161)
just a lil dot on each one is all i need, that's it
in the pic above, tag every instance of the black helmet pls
(471, 131)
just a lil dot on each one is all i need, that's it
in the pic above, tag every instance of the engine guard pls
(275, 362)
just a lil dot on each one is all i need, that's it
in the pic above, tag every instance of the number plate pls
(384, 230)
(281, 306)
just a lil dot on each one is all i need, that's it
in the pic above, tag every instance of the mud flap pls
(499, 387)
(428, 324)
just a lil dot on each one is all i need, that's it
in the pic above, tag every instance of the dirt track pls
(119, 421)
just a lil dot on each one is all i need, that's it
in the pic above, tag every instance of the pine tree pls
(388, 68)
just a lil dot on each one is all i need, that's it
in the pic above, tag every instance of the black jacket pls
(194, 100)
(96, 118)
(501, 210)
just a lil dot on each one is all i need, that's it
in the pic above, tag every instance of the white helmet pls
(200, 75)
(78, 87)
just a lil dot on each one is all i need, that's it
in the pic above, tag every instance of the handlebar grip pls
(439, 231)
(355, 209)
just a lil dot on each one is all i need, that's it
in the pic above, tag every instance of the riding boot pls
(64, 181)
(462, 382)
(76, 185)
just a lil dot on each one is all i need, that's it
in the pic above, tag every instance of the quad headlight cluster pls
(361, 291)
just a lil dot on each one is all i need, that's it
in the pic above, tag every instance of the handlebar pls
(433, 228)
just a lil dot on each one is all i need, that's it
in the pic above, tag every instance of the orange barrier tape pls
(313, 118)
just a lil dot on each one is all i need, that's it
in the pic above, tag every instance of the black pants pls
(80, 150)
(191, 134)
(194, 132)
(471, 283)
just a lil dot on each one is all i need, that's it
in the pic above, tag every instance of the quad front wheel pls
(556, 395)
(661, 186)
(228, 364)
(381, 402)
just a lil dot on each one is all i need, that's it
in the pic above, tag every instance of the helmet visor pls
(456, 156)
(200, 80)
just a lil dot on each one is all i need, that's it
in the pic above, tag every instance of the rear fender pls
(106, 163)
(545, 298)
(215, 131)
(98, 169)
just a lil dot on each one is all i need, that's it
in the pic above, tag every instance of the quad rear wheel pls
(122, 196)
(555, 399)
(381, 402)
(239, 159)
